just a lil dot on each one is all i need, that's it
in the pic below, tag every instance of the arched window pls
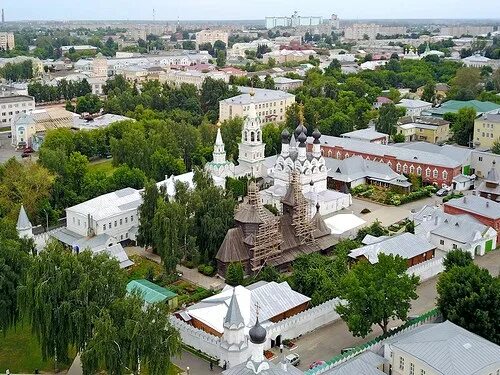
(322, 152)
(258, 136)
(435, 173)
(412, 169)
(338, 154)
(398, 167)
(389, 164)
(405, 168)
(419, 171)
(330, 153)
(246, 135)
(252, 136)
(428, 172)
(445, 175)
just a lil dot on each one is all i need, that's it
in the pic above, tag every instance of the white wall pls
(427, 269)
(78, 223)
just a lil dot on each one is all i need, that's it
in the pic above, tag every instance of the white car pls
(293, 359)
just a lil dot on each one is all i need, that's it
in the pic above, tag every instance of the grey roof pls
(460, 154)
(368, 134)
(16, 98)
(365, 363)
(117, 252)
(413, 103)
(380, 150)
(459, 228)
(355, 168)
(261, 95)
(478, 205)
(22, 221)
(491, 117)
(449, 349)
(233, 318)
(406, 245)
(461, 178)
(70, 238)
(274, 369)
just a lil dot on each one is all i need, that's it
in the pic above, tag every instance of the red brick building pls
(434, 168)
(483, 209)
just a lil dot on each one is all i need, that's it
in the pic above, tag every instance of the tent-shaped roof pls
(150, 292)
(23, 222)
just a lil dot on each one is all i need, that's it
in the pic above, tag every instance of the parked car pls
(442, 193)
(25, 155)
(345, 350)
(28, 150)
(316, 364)
(293, 359)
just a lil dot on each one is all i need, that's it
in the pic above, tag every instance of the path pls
(197, 366)
(76, 367)
(191, 275)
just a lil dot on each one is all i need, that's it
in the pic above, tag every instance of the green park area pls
(105, 166)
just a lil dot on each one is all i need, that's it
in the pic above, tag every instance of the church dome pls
(285, 136)
(257, 333)
(300, 129)
(302, 138)
(316, 135)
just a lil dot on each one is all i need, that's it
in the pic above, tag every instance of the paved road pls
(327, 342)
(6, 150)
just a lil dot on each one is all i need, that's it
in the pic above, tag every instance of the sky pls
(16, 10)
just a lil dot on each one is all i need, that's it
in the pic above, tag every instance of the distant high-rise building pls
(3, 16)
(7, 41)
(334, 21)
(294, 21)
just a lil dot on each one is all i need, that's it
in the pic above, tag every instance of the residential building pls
(359, 31)
(270, 105)
(345, 174)
(78, 48)
(441, 349)
(97, 122)
(449, 232)
(287, 84)
(490, 186)
(414, 107)
(453, 106)
(441, 90)
(295, 20)
(459, 30)
(486, 130)
(367, 135)
(153, 293)
(12, 106)
(192, 77)
(381, 100)
(286, 55)
(36, 63)
(7, 41)
(434, 168)
(482, 209)
(14, 89)
(211, 36)
(421, 128)
(238, 49)
(413, 248)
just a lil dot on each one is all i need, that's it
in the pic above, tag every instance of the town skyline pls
(214, 9)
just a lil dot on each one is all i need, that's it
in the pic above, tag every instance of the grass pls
(4, 128)
(142, 266)
(20, 352)
(103, 166)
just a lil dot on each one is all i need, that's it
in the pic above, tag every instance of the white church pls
(277, 169)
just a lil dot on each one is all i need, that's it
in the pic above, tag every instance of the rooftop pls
(261, 95)
(413, 103)
(478, 205)
(16, 98)
(151, 293)
(110, 204)
(454, 106)
(368, 134)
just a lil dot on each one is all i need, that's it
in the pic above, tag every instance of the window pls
(422, 372)
(435, 173)
(412, 369)
(454, 246)
(419, 171)
(401, 363)
(121, 221)
(104, 227)
(405, 168)
(126, 235)
(480, 158)
(398, 167)
(126, 220)
(78, 222)
(73, 220)
(132, 218)
(412, 169)
(441, 242)
(445, 175)
(116, 223)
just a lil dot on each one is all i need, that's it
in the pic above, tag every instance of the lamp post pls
(46, 220)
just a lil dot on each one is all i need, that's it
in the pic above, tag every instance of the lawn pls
(105, 166)
(20, 352)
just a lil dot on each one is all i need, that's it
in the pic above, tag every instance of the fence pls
(196, 338)
(427, 269)
(378, 341)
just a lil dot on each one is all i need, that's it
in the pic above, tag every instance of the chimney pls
(436, 219)
(465, 199)
(487, 204)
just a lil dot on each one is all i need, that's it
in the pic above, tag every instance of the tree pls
(495, 148)
(269, 82)
(466, 83)
(398, 138)
(64, 293)
(235, 274)
(388, 119)
(463, 126)
(496, 79)
(128, 336)
(376, 293)
(89, 103)
(429, 93)
(221, 58)
(147, 211)
(457, 257)
(470, 297)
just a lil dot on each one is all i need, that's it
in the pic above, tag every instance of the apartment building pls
(7, 41)
(192, 77)
(270, 105)
(359, 31)
(458, 31)
(428, 129)
(486, 130)
(211, 36)
(414, 107)
(10, 106)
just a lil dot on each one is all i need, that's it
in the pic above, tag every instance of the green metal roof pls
(150, 292)
(454, 106)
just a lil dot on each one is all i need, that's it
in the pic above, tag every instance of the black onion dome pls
(316, 135)
(300, 129)
(285, 136)
(302, 138)
(257, 333)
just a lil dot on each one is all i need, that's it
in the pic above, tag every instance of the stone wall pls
(196, 338)
(428, 269)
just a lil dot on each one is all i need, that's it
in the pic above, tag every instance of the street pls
(6, 149)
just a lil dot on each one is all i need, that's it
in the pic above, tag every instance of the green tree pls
(429, 92)
(147, 211)
(463, 126)
(388, 119)
(457, 257)
(221, 58)
(470, 297)
(89, 103)
(495, 148)
(376, 293)
(127, 337)
(398, 138)
(235, 274)
(466, 84)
